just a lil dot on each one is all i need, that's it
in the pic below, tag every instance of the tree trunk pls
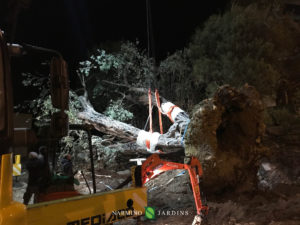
(225, 134)
(168, 142)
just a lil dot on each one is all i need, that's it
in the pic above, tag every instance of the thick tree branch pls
(170, 141)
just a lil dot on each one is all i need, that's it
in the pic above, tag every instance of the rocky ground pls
(276, 201)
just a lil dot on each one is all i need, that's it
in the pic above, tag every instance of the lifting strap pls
(150, 110)
(159, 111)
(169, 113)
(150, 117)
(147, 141)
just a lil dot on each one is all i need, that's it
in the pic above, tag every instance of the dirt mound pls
(225, 134)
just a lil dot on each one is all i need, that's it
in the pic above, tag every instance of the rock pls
(124, 173)
(271, 175)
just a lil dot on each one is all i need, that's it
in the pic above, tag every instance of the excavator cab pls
(99, 208)
(6, 113)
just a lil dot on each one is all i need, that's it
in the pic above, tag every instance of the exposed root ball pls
(225, 135)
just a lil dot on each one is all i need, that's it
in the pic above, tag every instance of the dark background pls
(75, 27)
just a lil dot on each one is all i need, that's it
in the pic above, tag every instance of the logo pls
(173, 213)
(150, 213)
(113, 216)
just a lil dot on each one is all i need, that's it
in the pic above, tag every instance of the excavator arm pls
(154, 166)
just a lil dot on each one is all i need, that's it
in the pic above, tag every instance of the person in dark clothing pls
(67, 168)
(38, 175)
(67, 165)
(43, 153)
(33, 166)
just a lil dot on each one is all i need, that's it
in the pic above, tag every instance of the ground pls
(275, 202)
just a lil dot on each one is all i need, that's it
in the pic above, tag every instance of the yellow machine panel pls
(17, 166)
(11, 212)
(94, 209)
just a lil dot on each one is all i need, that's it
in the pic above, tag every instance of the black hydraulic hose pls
(87, 129)
(92, 160)
(87, 184)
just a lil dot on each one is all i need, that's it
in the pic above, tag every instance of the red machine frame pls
(154, 166)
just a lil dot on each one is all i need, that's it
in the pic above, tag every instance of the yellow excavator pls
(67, 207)
(93, 209)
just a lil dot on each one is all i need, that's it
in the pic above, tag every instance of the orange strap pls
(148, 143)
(169, 113)
(150, 114)
(150, 110)
(159, 111)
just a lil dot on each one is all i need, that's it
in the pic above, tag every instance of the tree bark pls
(168, 142)
(105, 124)
(225, 134)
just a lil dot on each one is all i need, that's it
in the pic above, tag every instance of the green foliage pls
(176, 83)
(245, 45)
(117, 111)
(129, 66)
(74, 108)
(41, 107)
(132, 68)
(75, 141)
(103, 75)
(100, 61)
(282, 117)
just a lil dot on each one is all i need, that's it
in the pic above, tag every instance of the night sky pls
(74, 27)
